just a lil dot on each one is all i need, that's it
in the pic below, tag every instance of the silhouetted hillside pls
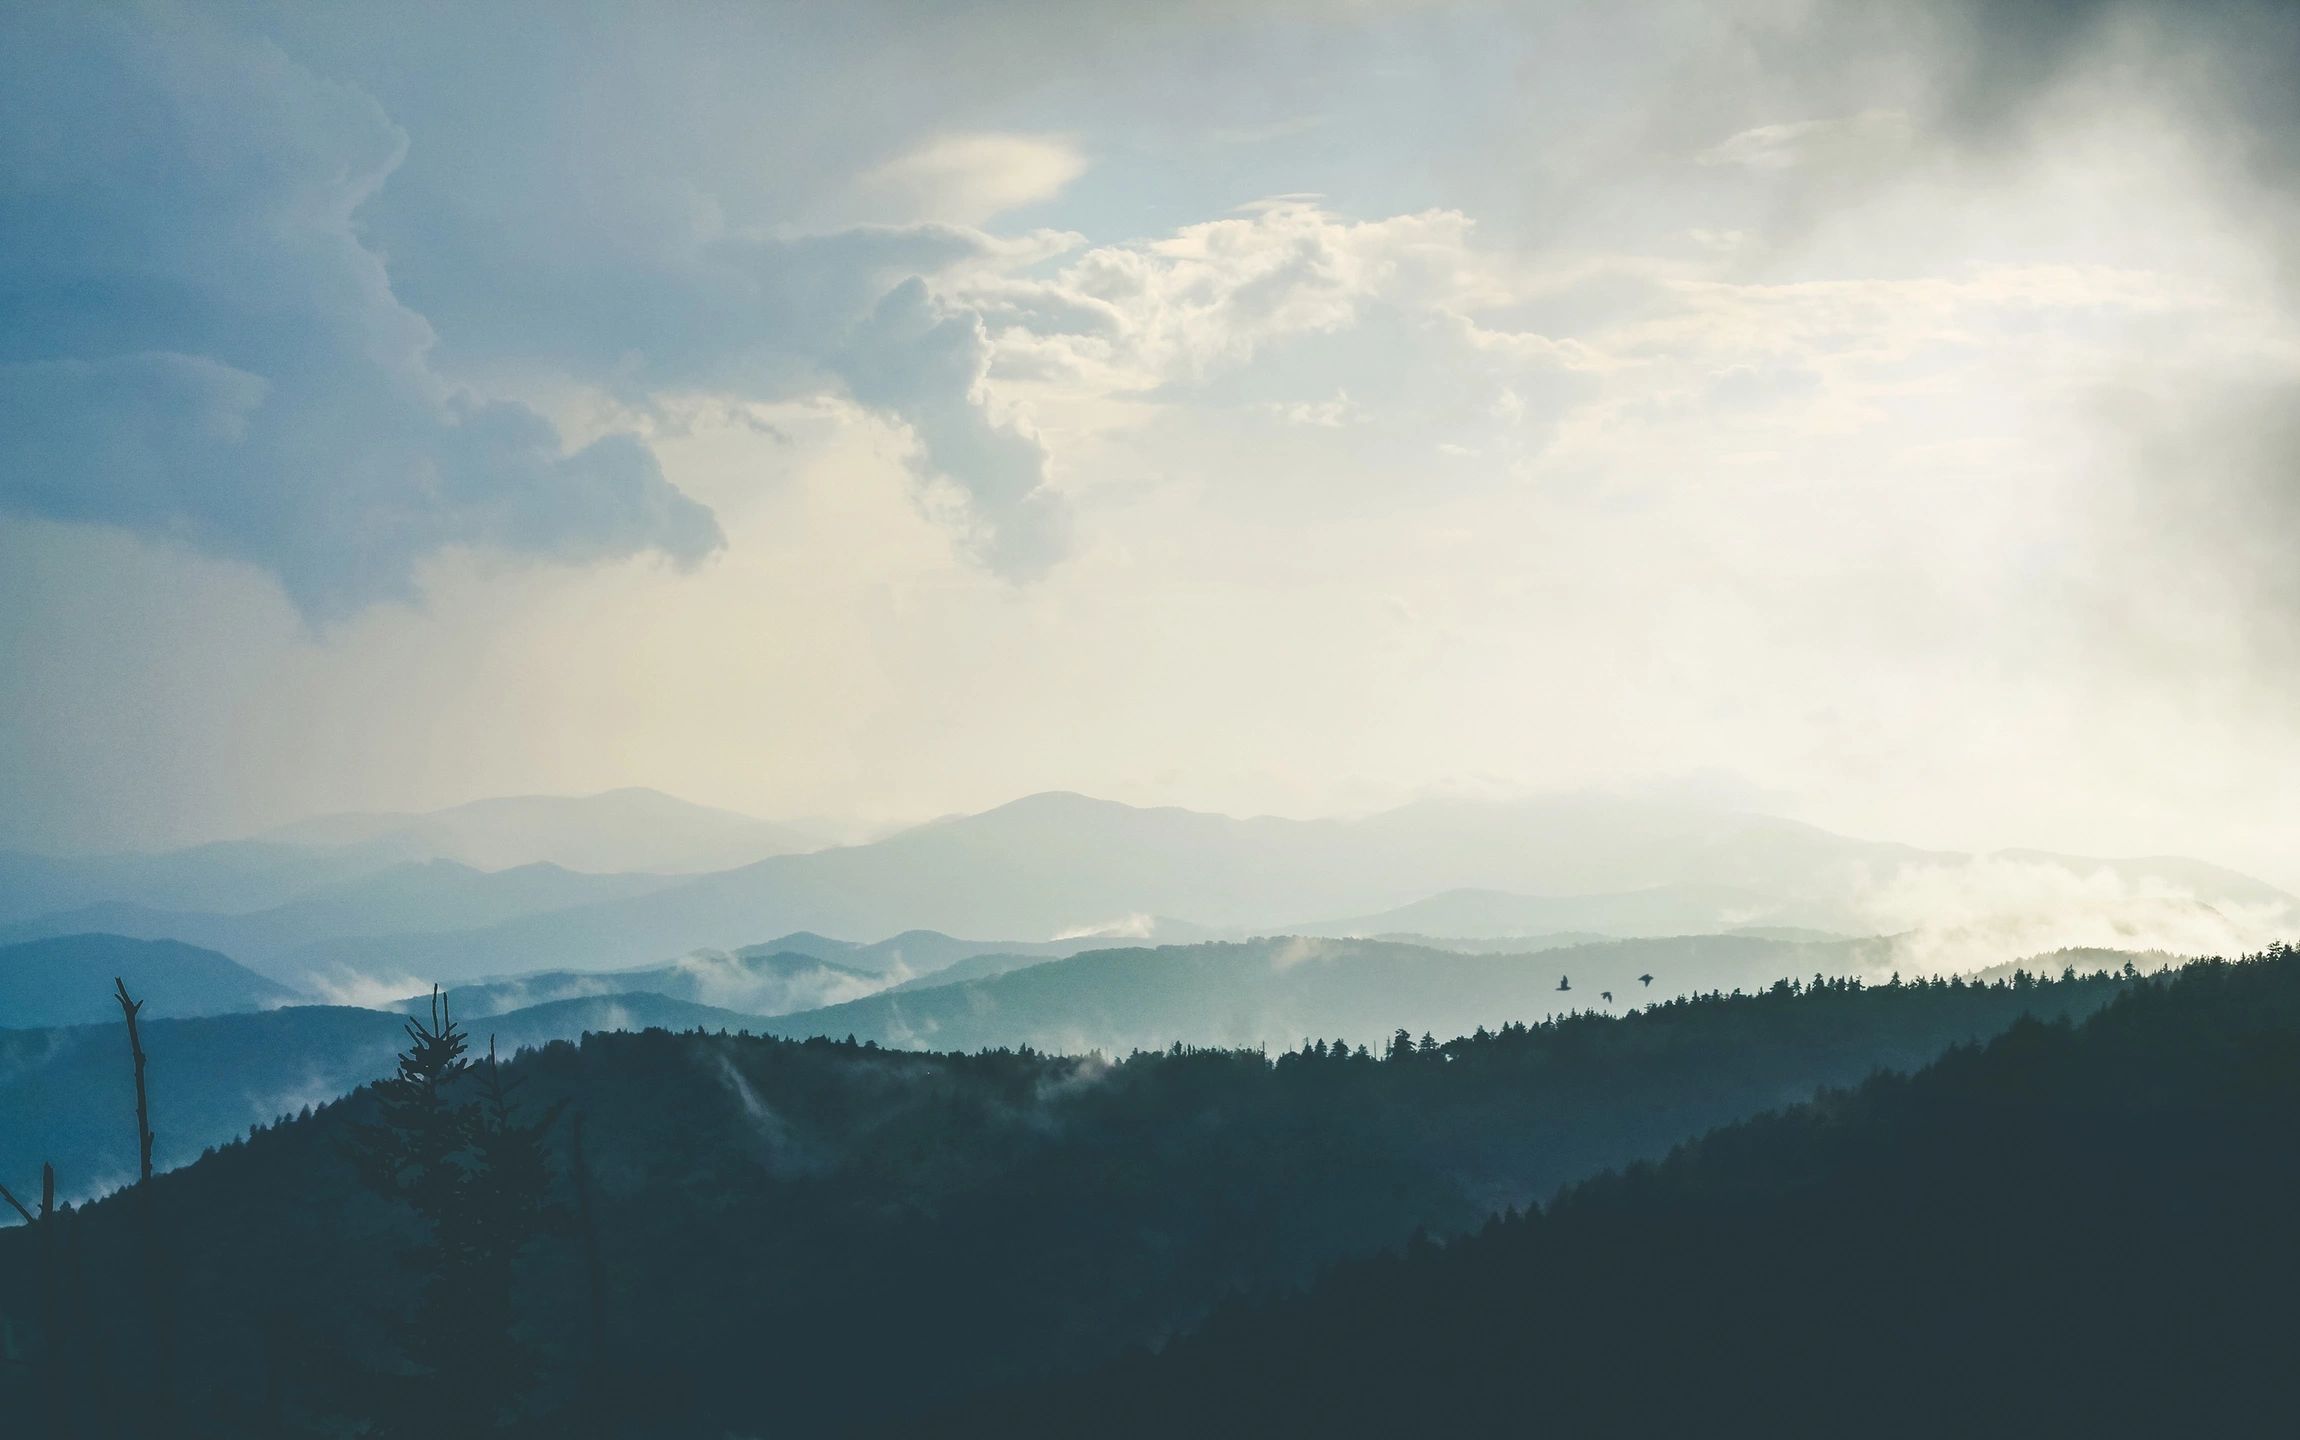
(803, 1237)
(2076, 1230)
(68, 1093)
(67, 980)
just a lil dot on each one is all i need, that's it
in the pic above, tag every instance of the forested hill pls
(67, 1095)
(2076, 1230)
(67, 980)
(809, 1237)
(1275, 990)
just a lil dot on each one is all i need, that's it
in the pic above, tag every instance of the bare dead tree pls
(51, 1300)
(52, 1309)
(158, 1264)
(128, 1011)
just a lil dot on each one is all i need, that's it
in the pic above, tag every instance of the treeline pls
(2076, 1229)
(820, 1236)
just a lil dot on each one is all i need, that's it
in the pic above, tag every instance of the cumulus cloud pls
(925, 363)
(200, 346)
(1176, 309)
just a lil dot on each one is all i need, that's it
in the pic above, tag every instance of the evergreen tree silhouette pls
(447, 1145)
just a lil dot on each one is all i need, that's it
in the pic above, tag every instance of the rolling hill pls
(1280, 991)
(67, 980)
(2000, 1244)
(747, 981)
(785, 1228)
(69, 1096)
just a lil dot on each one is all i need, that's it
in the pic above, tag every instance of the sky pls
(1883, 414)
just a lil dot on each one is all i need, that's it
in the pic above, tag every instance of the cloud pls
(866, 311)
(925, 362)
(728, 982)
(1951, 918)
(968, 179)
(1866, 139)
(201, 348)
(1139, 925)
(1204, 300)
(2194, 509)
(356, 988)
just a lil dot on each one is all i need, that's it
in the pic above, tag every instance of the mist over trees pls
(2078, 1228)
(986, 1218)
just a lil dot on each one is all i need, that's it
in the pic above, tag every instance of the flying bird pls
(1646, 981)
(1563, 983)
(1606, 996)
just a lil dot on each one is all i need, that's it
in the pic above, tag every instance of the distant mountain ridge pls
(1058, 863)
(411, 897)
(1096, 873)
(626, 830)
(67, 980)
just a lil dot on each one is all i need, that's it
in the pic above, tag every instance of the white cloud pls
(968, 179)
(1952, 918)
(1211, 295)
(1869, 139)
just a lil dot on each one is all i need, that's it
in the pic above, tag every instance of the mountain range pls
(631, 829)
(362, 917)
(1064, 864)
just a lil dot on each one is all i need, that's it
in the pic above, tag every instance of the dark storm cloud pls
(202, 341)
(2232, 56)
(197, 345)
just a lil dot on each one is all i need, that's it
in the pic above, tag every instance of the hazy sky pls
(1889, 413)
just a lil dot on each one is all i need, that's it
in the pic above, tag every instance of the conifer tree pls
(447, 1144)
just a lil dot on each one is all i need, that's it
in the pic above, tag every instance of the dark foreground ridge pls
(779, 1236)
(2082, 1229)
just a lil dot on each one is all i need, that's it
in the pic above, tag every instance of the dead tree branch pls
(128, 1011)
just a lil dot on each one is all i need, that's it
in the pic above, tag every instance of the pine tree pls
(447, 1145)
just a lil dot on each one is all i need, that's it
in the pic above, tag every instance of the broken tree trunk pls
(128, 1011)
(52, 1310)
(158, 1290)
